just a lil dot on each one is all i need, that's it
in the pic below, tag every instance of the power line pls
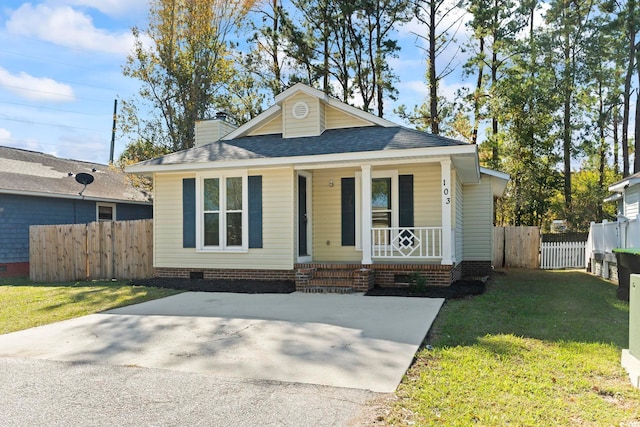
(50, 124)
(73, 97)
(50, 108)
(40, 59)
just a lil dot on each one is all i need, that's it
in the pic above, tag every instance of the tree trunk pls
(433, 83)
(616, 141)
(631, 55)
(636, 133)
(478, 94)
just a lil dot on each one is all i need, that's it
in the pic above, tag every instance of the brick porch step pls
(333, 274)
(328, 290)
(331, 282)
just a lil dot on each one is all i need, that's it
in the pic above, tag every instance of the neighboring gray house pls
(39, 189)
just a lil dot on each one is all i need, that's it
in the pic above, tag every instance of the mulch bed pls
(220, 285)
(457, 290)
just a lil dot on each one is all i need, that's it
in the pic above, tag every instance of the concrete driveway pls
(336, 340)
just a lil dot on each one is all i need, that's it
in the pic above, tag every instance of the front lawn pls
(538, 348)
(24, 304)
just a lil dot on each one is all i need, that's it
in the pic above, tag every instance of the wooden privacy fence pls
(516, 247)
(98, 250)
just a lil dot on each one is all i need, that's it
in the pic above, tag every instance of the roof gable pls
(324, 112)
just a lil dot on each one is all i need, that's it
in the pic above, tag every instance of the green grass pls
(538, 348)
(24, 304)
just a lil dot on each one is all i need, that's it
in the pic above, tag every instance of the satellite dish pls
(84, 179)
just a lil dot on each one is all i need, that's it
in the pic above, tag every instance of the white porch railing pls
(406, 242)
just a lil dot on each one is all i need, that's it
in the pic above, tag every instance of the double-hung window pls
(223, 219)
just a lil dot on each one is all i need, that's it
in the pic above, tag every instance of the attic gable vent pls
(300, 110)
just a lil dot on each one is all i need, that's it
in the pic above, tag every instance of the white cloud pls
(35, 88)
(66, 27)
(87, 147)
(7, 140)
(113, 7)
(4, 134)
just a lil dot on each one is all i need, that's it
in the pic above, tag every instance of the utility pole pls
(113, 130)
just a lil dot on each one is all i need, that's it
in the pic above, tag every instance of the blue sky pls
(60, 71)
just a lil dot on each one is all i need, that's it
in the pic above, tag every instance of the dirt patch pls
(220, 285)
(457, 290)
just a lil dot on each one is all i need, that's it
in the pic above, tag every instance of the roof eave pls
(620, 186)
(613, 198)
(501, 179)
(360, 156)
(72, 196)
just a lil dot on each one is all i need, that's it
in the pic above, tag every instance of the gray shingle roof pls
(23, 171)
(333, 141)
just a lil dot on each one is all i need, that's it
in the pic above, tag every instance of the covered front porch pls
(378, 224)
(381, 213)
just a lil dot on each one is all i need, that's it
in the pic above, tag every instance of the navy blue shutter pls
(189, 213)
(405, 200)
(348, 195)
(255, 211)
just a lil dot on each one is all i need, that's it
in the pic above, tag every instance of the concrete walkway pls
(336, 340)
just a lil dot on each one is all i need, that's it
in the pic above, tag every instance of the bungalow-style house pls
(39, 189)
(320, 192)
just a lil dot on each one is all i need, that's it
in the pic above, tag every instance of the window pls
(381, 209)
(384, 205)
(223, 218)
(381, 202)
(105, 211)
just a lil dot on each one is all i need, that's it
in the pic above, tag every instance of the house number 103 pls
(445, 191)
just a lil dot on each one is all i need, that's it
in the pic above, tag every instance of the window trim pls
(222, 212)
(110, 205)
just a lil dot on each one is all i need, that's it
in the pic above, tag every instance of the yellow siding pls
(478, 220)
(458, 220)
(327, 207)
(208, 131)
(322, 117)
(426, 198)
(310, 125)
(327, 220)
(277, 204)
(273, 126)
(336, 119)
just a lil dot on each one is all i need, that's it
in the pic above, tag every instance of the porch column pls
(366, 214)
(447, 202)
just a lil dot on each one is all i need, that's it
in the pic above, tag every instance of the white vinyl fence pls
(605, 237)
(554, 255)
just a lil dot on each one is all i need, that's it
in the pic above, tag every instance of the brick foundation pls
(227, 274)
(393, 275)
(364, 279)
(14, 269)
(476, 268)
(356, 277)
